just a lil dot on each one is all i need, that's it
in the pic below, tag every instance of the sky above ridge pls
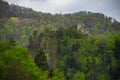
(108, 7)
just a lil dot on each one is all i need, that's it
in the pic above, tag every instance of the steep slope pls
(78, 46)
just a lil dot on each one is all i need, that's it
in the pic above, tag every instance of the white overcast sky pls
(108, 7)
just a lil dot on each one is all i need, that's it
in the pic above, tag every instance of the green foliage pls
(56, 45)
(6, 33)
(58, 75)
(41, 61)
(14, 70)
(77, 56)
(13, 19)
(79, 76)
(17, 64)
(103, 77)
(4, 45)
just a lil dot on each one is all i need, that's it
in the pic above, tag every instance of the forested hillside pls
(44, 46)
